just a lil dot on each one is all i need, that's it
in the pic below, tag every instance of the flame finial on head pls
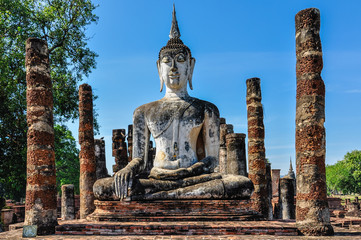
(174, 30)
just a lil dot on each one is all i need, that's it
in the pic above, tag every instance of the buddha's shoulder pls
(147, 106)
(207, 106)
(164, 104)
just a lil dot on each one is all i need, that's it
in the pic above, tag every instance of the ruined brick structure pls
(312, 213)
(101, 168)
(236, 154)
(224, 129)
(275, 174)
(87, 151)
(269, 190)
(40, 208)
(286, 199)
(256, 149)
(130, 142)
(119, 149)
(67, 202)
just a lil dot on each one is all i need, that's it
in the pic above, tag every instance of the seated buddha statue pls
(186, 134)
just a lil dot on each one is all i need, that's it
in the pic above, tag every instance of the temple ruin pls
(197, 173)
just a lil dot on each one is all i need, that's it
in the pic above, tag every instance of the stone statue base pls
(174, 210)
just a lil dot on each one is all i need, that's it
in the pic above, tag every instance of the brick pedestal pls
(174, 210)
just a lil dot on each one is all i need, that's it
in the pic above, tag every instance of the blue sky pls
(232, 41)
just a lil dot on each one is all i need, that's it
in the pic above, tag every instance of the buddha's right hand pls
(123, 180)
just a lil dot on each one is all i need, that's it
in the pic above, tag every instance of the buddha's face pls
(175, 68)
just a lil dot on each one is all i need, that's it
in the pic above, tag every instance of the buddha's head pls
(175, 63)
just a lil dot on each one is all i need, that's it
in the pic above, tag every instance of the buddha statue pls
(186, 134)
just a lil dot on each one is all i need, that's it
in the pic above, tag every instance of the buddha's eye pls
(180, 58)
(165, 59)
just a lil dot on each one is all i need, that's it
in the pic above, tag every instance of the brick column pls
(269, 190)
(119, 149)
(67, 202)
(87, 151)
(275, 174)
(41, 204)
(236, 154)
(224, 130)
(287, 198)
(312, 213)
(130, 142)
(256, 150)
(101, 168)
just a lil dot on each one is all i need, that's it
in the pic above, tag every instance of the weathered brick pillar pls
(87, 152)
(275, 174)
(236, 154)
(101, 168)
(287, 198)
(256, 149)
(119, 149)
(130, 142)
(269, 190)
(67, 202)
(224, 130)
(41, 204)
(312, 213)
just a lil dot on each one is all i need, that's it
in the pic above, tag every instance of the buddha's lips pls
(174, 75)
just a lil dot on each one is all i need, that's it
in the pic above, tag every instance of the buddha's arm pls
(123, 179)
(211, 135)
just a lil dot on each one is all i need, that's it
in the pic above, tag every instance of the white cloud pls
(353, 91)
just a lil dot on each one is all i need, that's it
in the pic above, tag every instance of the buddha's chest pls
(174, 119)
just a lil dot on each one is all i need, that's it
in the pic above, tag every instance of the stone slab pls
(178, 228)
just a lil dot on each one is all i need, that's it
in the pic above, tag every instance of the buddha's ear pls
(160, 75)
(191, 65)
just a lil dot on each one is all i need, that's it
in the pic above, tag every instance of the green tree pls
(66, 158)
(62, 23)
(345, 175)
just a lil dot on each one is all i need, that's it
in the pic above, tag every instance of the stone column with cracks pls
(67, 202)
(286, 200)
(87, 151)
(256, 149)
(236, 154)
(41, 201)
(101, 168)
(312, 213)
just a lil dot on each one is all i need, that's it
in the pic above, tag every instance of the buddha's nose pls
(174, 66)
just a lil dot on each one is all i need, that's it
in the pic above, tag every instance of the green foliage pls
(62, 23)
(345, 175)
(66, 158)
